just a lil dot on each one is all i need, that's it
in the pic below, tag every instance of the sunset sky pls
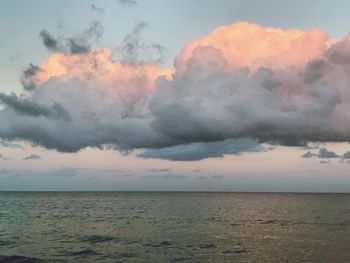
(162, 95)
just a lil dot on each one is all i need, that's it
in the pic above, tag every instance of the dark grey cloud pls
(309, 154)
(29, 108)
(314, 71)
(93, 33)
(76, 48)
(50, 42)
(74, 45)
(31, 70)
(28, 75)
(346, 155)
(134, 50)
(199, 151)
(32, 157)
(286, 141)
(323, 153)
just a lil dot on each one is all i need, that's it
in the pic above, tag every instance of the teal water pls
(174, 227)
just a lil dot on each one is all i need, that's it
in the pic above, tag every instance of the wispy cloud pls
(323, 153)
(10, 145)
(134, 50)
(79, 44)
(66, 172)
(164, 176)
(127, 2)
(32, 157)
(217, 177)
(199, 151)
(159, 170)
(97, 9)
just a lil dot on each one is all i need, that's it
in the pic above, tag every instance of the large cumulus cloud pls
(240, 82)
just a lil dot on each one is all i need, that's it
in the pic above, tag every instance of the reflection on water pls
(175, 227)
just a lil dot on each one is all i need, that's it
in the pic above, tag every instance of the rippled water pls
(175, 227)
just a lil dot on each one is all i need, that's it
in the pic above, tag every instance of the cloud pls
(217, 177)
(29, 73)
(346, 155)
(32, 157)
(76, 48)
(173, 176)
(199, 151)
(238, 43)
(50, 42)
(33, 109)
(74, 45)
(229, 91)
(65, 172)
(133, 50)
(309, 154)
(116, 172)
(325, 162)
(164, 176)
(113, 171)
(323, 153)
(4, 158)
(344, 161)
(10, 145)
(127, 2)
(159, 170)
(97, 9)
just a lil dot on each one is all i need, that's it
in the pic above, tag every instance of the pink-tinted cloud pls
(240, 81)
(250, 45)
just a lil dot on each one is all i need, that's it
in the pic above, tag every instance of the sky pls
(131, 95)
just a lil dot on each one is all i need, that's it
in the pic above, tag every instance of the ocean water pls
(174, 227)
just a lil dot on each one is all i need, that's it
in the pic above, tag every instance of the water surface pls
(175, 227)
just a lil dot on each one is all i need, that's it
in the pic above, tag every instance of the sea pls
(38, 227)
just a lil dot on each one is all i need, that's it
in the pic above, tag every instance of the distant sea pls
(173, 227)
